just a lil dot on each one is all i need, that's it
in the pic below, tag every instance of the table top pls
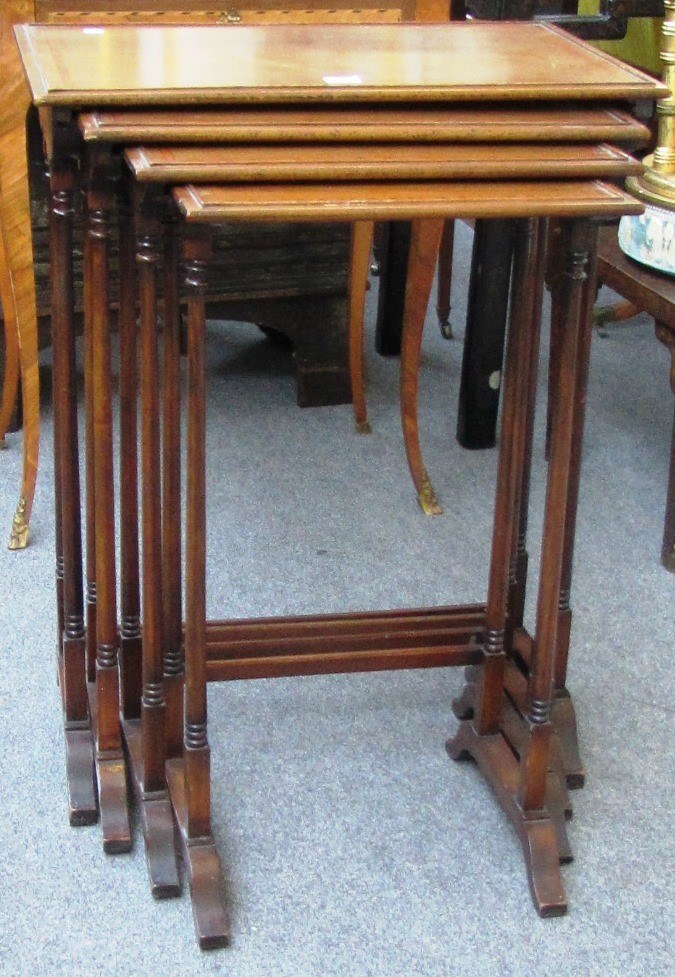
(365, 124)
(402, 201)
(403, 161)
(469, 61)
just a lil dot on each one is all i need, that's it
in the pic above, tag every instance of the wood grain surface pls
(467, 61)
(376, 123)
(405, 161)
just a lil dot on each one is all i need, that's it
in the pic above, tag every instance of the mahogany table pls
(511, 690)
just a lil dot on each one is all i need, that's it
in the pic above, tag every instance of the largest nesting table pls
(141, 669)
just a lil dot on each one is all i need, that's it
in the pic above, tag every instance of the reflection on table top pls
(222, 64)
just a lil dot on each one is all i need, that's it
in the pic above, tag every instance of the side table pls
(655, 294)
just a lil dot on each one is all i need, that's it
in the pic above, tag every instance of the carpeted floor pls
(352, 845)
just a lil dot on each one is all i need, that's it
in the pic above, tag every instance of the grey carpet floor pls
(351, 844)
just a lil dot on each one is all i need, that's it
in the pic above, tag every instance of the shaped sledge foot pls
(157, 821)
(202, 862)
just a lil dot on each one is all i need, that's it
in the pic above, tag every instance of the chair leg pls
(10, 380)
(424, 245)
(359, 261)
(445, 279)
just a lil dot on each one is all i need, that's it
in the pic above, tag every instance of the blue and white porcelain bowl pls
(650, 238)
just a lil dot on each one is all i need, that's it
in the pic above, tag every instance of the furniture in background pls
(303, 269)
(653, 293)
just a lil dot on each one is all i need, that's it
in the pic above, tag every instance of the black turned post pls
(484, 337)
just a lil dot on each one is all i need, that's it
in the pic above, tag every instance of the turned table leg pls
(110, 764)
(174, 663)
(189, 778)
(519, 726)
(130, 599)
(79, 744)
(147, 741)
(537, 830)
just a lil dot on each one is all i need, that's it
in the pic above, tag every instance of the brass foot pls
(427, 498)
(363, 427)
(445, 328)
(18, 539)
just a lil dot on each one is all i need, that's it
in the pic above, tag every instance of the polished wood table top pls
(374, 123)
(403, 201)
(472, 61)
(403, 161)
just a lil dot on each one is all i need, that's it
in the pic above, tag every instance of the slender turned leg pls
(189, 778)
(512, 454)
(79, 746)
(10, 380)
(445, 279)
(667, 337)
(578, 284)
(130, 604)
(174, 664)
(528, 790)
(424, 244)
(147, 746)
(519, 554)
(563, 711)
(359, 259)
(90, 491)
(110, 765)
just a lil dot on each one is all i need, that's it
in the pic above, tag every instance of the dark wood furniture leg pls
(484, 337)
(361, 242)
(444, 283)
(110, 764)
(667, 337)
(174, 662)
(89, 478)
(130, 600)
(189, 778)
(394, 256)
(82, 802)
(146, 737)
(523, 787)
